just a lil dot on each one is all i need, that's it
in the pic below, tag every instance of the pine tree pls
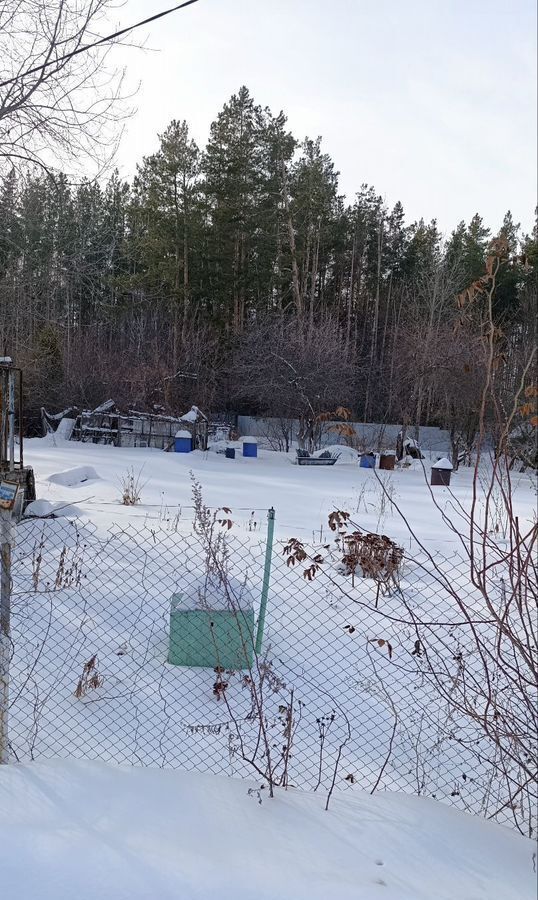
(313, 189)
(423, 251)
(233, 182)
(475, 245)
(511, 274)
(166, 190)
(274, 262)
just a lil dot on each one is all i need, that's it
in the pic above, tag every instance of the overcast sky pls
(431, 101)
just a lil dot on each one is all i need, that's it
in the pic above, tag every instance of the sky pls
(433, 102)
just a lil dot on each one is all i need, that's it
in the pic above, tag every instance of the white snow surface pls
(126, 600)
(192, 415)
(41, 508)
(91, 830)
(208, 592)
(302, 496)
(221, 445)
(105, 407)
(346, 455)
(74, 477)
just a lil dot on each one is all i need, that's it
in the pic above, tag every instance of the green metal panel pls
(207, 638)
(266, 578)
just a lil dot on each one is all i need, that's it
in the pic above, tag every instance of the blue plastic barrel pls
(250, 447)
(183, 442)
(367, 461)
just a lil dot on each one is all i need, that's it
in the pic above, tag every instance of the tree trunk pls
(373, 342)
(235, 287)
(291, 236)
(313, 277)
(186, 288)
(350, 292)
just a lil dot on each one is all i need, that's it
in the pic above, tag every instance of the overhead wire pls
(103, 40)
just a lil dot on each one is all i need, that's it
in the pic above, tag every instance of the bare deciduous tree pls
(291, 373)
(56, 108)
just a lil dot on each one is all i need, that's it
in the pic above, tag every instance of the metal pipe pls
(266, 578)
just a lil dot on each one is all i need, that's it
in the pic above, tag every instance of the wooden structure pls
(107, 425)
(12, 466)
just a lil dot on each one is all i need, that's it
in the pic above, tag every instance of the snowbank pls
(39, 509)
(90, 830)
(345, 454)
(272, 482)
(74, 477)
(221, 446)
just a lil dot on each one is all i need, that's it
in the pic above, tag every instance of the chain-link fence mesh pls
(136, 645)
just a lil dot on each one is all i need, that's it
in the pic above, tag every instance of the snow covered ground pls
(302, 496)
(89, 830)
(104, 586)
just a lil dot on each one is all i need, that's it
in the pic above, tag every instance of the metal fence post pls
(5, 636)
(266, 577)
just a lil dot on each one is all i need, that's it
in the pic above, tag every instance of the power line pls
(103, 40)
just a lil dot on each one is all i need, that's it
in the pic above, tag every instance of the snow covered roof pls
(209, 592)
(443, 463)
(193, 415)
(105, 407)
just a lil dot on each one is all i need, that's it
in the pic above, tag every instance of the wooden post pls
(5, 633)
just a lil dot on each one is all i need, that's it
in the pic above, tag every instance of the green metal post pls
(266, 577)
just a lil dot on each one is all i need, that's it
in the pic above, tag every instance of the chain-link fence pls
(138, 644)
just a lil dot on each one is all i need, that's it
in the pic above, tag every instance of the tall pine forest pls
(237, 277)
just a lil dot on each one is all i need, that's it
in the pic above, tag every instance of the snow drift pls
(74, 477)
(40, 509)
(90, 830)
